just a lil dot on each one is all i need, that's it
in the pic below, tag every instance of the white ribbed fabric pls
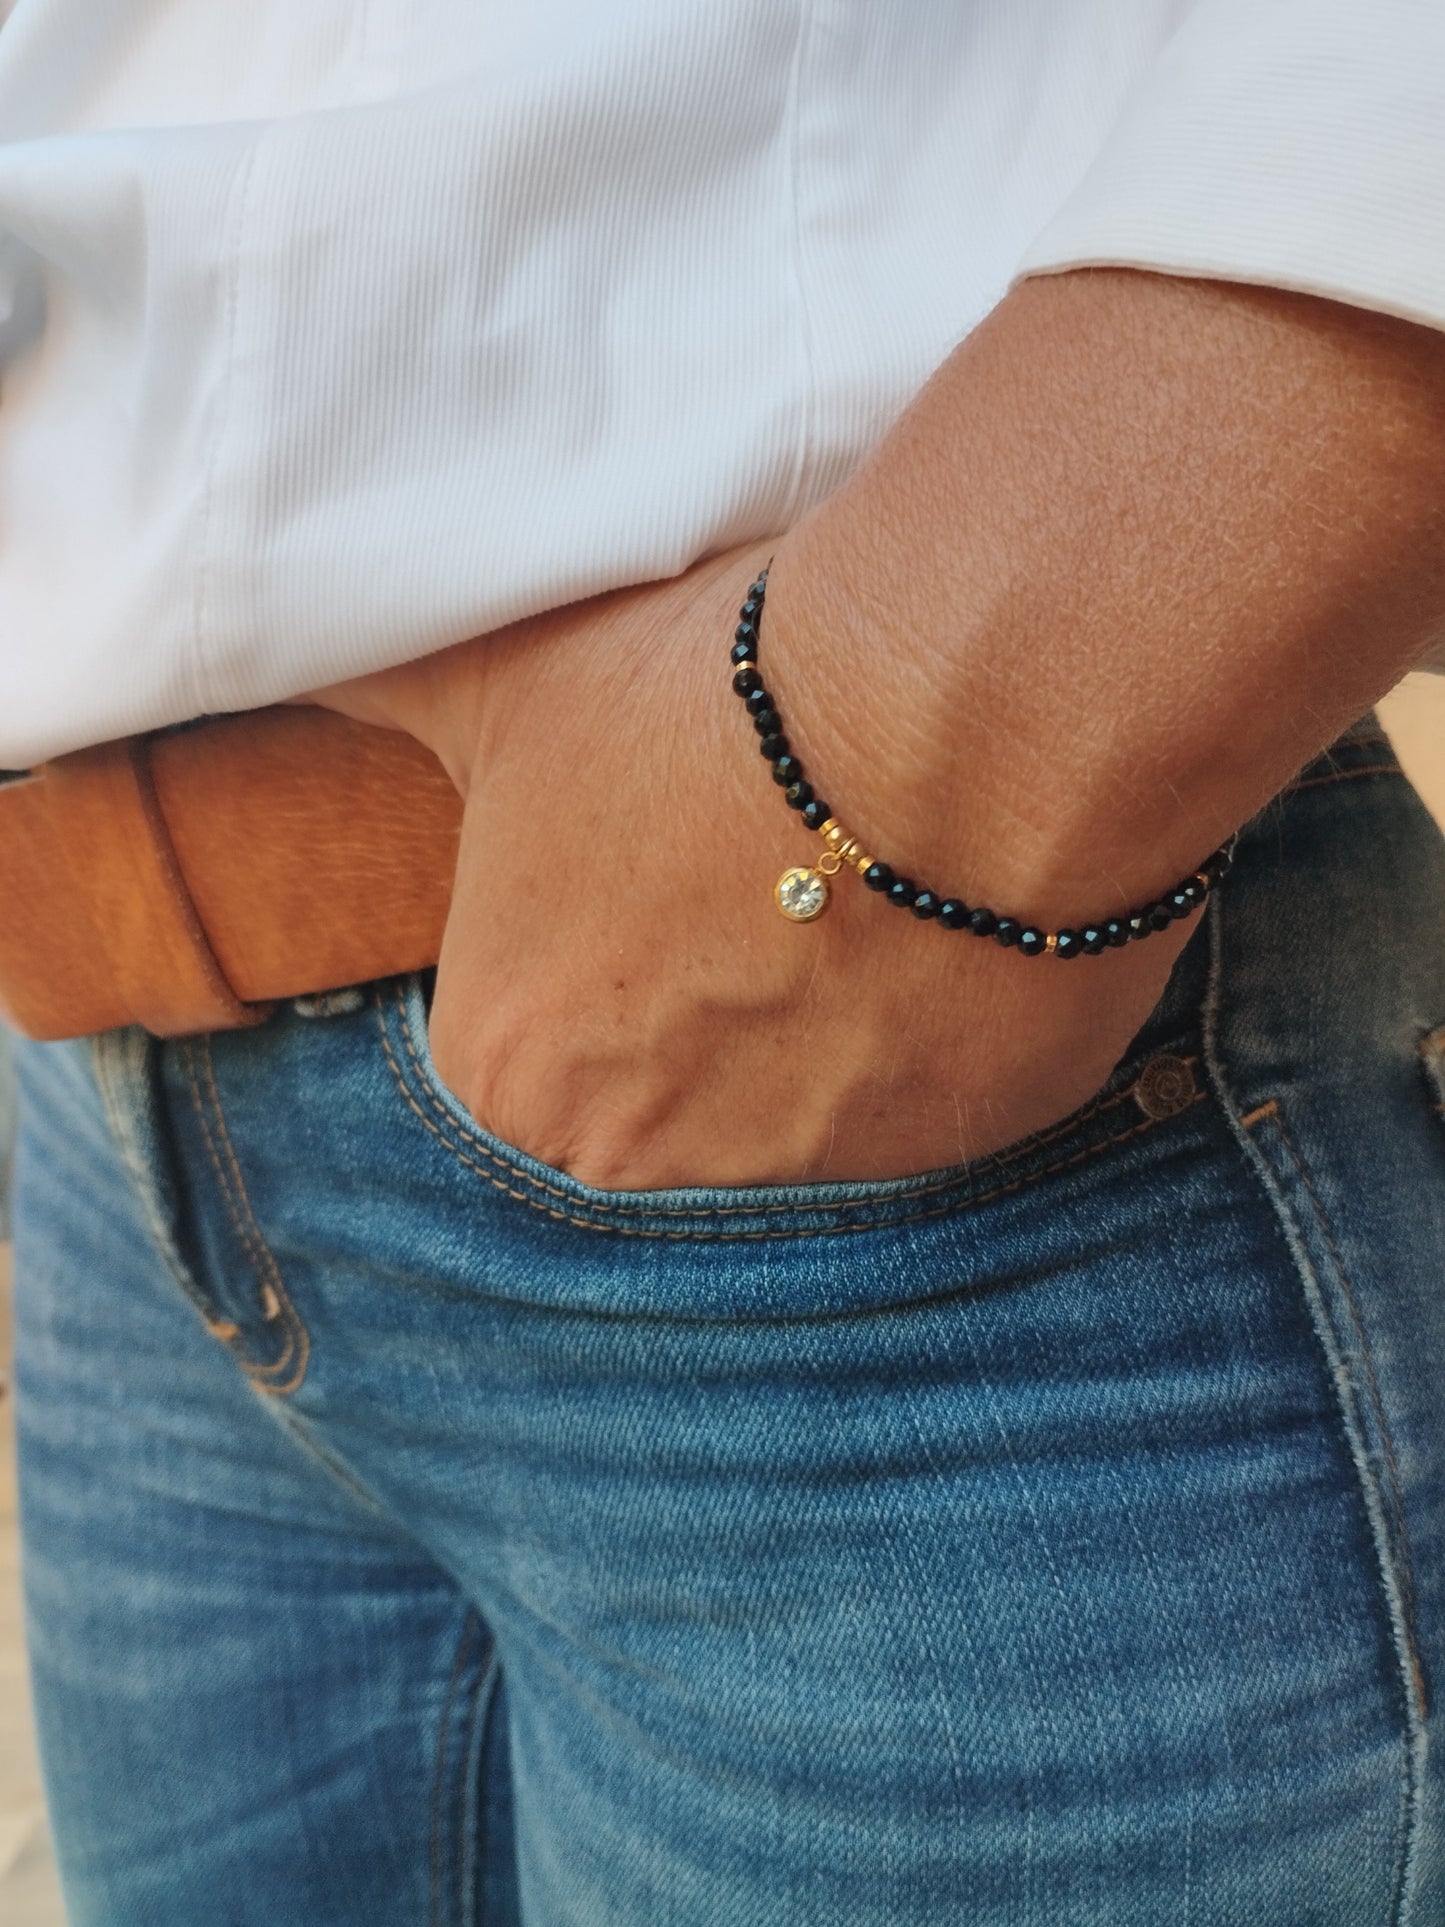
(331, 333)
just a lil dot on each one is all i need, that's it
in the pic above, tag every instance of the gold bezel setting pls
(815, 899)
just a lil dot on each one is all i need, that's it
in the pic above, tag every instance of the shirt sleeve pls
(1297, 143)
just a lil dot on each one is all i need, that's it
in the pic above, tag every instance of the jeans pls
(414, 1535)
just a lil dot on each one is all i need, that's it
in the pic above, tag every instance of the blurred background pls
(29, 1896)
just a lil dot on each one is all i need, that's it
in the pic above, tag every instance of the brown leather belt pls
(186, 881)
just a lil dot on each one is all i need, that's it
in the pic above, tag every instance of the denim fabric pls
(414, 1535)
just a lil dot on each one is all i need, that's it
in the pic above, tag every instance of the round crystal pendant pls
(801, 895)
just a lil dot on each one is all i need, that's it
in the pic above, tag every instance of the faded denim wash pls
(413, 1535)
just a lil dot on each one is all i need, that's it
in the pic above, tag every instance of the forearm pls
(1138, 550)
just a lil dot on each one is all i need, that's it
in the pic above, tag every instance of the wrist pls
(802, 892)
(1138, 551)
(953, 778)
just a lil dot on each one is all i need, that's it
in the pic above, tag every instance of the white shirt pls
(332, 331)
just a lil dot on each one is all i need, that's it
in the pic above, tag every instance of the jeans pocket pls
(1153, 1083)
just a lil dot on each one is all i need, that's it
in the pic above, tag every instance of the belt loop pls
(118, 848)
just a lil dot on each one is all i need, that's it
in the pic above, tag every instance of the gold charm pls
(801, 894)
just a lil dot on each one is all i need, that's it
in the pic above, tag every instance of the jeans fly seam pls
(1410, 1682)
(243, 1220)
(298, 1338)
(225, 1329)
(248, 1231)
(1023, 1149)
(103, 1046)
(967, 1203)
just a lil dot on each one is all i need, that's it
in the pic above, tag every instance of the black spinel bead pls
(757, 700)
(1140, 926)
(926, 905)
(878, 876)
(1006, 931)
(1093, 939)
(816, 814)
(1068, 943)
(787, 770)
(901, 892)
(746, 632)
(768, 722)
(774, 748)
(742, 652)
(1032, 942)
(749, 610)
(1160, 916)
(983, 923)
(759, 588)
(747, 680)
(1116, 933)
(798, 795)
(1179, 904)
(952, 914)
(1194, 890)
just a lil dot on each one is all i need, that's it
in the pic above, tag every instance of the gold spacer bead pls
(824, 828)
(1051, 941)
(1200, 877)
(860, 859)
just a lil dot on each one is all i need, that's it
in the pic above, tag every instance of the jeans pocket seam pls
(957, 1184)
(1343, 776)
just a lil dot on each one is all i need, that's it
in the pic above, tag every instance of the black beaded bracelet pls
(802, 893)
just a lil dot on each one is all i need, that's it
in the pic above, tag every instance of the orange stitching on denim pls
(225, 1329)
(1397, 1496)
(1344, 775)
(1000, 1161)
(247, 1230)
(297, 1336)
(243, 1222)
(821, 1231)
(1263, 1110)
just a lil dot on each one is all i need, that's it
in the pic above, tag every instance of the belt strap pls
(187, 881)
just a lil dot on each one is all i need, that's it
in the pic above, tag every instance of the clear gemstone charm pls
(801, 895)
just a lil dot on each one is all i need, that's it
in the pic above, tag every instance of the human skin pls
(1139, 549)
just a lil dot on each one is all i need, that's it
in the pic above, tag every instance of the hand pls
(1139, 549)
(617, 993)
